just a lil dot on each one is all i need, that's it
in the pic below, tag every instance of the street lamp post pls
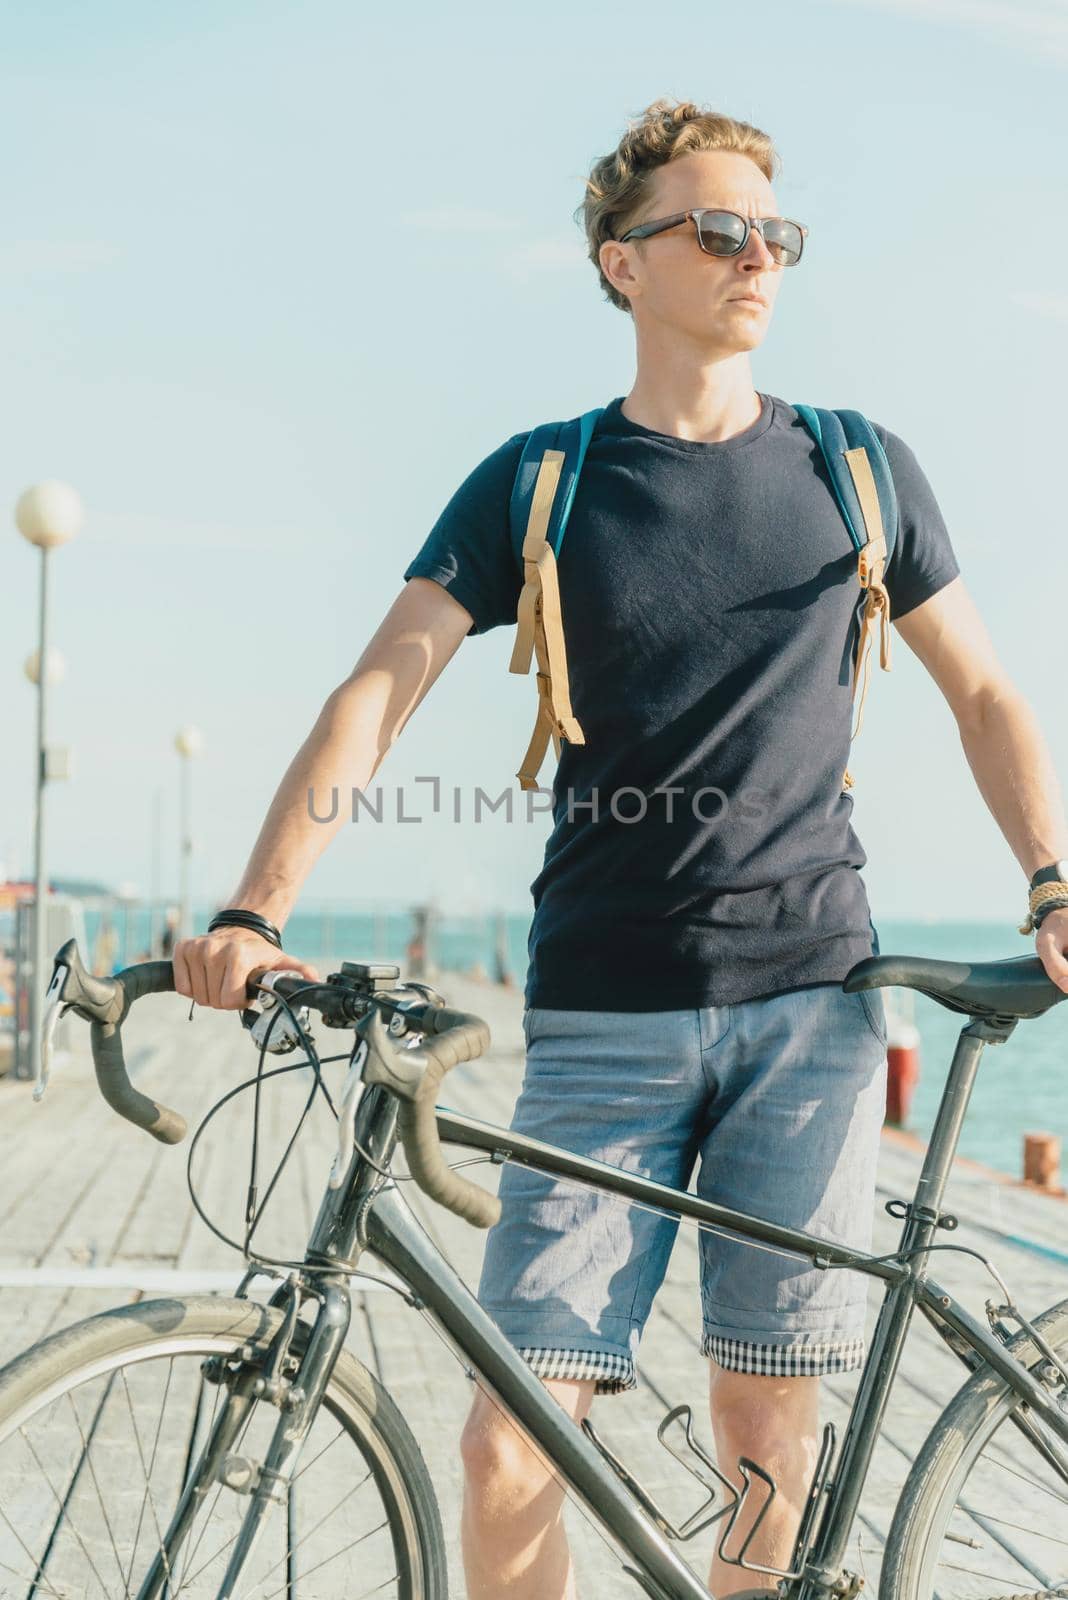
(47, 515)
(188, 742)
(154, 884)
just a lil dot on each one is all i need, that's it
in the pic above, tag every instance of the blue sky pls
(275, 278)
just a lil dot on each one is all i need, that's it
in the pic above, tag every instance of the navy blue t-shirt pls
(702, 851)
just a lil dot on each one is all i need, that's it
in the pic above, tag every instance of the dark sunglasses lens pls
(784, 240)
(721, 232)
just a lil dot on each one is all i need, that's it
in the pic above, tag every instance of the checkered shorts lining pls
(615, 1374)
(784, 1360)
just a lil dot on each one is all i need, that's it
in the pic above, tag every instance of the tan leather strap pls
(540, 629)
(552, 633)
(872, 556)
(541, 505)
(871, 560)
(544, 727)
(544, 722)
(864, 482)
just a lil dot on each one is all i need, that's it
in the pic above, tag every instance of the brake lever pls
(53, 1008)
(272, 1030)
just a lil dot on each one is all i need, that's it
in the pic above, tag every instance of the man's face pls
(671, 282)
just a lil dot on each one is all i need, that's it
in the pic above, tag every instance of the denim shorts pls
(778, 1102)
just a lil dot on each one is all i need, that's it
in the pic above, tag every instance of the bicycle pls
(181, 1442)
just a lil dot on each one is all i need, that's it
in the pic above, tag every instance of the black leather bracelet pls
(1044, 911)
(237, 917)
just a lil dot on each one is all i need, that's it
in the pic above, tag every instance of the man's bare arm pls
(1002, 741)
(359, 722)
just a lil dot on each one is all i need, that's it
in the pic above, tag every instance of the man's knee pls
(763, 1416)
(491, 1447)
(494, 1449)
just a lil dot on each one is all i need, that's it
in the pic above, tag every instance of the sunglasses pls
(725, 233)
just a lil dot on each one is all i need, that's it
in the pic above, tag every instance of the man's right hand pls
(212, 968)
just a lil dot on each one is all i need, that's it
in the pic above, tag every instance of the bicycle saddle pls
(1019, 987)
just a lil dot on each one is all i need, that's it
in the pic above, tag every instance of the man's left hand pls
(1051, 942)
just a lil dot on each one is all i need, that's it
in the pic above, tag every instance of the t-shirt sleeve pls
(469, 549)
(924, 560)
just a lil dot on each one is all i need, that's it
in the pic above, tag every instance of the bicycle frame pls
(365, 1213)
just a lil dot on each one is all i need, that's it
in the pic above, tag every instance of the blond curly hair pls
(619, 183)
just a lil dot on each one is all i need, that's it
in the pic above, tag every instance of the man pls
(700, 900)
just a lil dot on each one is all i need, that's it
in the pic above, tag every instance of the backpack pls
(543, 493)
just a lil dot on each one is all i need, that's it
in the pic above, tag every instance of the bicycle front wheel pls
(102, 1427)
(983, 1514)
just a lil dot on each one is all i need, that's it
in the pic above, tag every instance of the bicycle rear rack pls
(712, 1480)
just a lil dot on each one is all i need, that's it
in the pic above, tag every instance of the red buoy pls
(1042, 1159)
(902, 1067)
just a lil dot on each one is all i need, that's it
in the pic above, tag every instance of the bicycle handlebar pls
(412, 1075)
(105, 1003)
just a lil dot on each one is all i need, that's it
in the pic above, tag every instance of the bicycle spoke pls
(340, 1434)
(4, 1567)
(61, 1507)
(1005, 1522)
(319, 1565)
(987, 1577)
(147, 1471)
(292, 1549)
(1055, 1494)
(92, 1474)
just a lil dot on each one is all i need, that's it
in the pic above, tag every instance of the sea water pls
(1022, 1086)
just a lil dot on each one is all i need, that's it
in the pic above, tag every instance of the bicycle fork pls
(267, 1484)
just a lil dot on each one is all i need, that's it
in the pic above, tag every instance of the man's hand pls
(1051, 942)
(212, 969)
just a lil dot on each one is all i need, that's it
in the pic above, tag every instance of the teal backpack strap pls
(573, 439)
(840, 435)
(836, 432)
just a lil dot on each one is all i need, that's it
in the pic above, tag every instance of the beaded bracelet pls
(237, 917)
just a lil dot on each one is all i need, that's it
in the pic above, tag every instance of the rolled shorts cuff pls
(807, 1358)
(613, 1370)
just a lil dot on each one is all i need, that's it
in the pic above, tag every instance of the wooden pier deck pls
(93, 1214)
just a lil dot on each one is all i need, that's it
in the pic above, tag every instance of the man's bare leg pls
(512, 1530)
(775, 1422)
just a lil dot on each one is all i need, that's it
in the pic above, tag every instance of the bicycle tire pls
(939, 1475)
(121, 1339)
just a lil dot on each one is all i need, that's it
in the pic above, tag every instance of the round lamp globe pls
(48, 514)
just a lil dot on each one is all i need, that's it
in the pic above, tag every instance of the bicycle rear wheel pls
(101, 1426)
(983, 1514)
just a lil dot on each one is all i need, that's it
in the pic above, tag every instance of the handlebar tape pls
(415, 1077)
(169, 1127)
(418, 1127)
(105, 1003)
